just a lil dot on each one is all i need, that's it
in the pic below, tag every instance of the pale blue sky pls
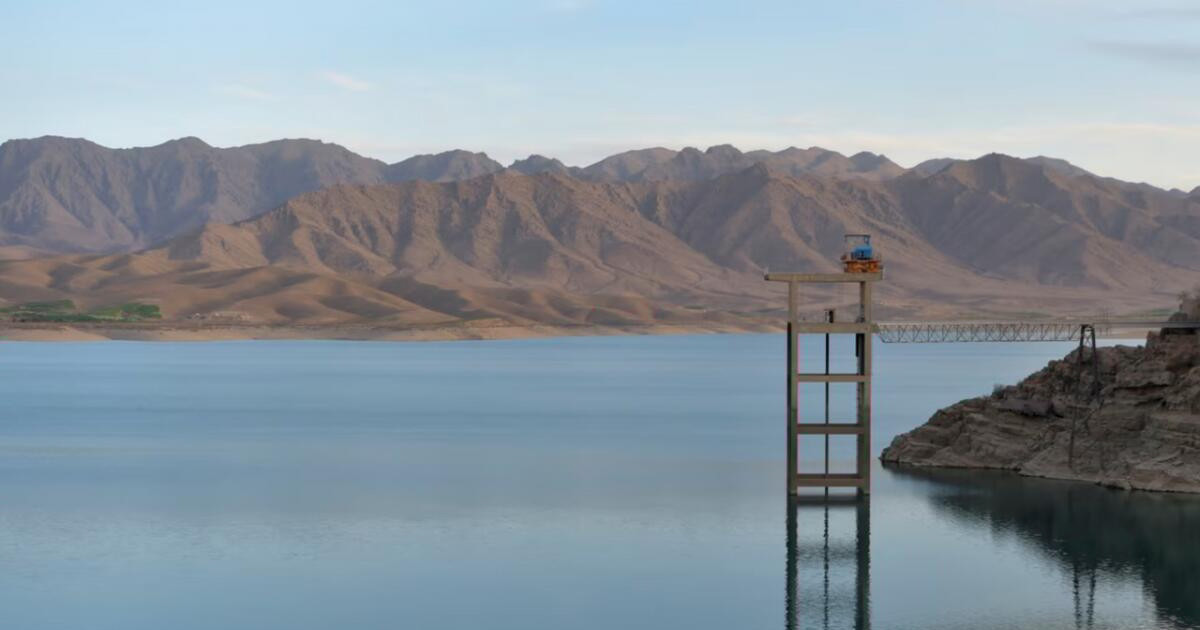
(1113, 86)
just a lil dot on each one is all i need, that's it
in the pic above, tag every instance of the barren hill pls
(992, 235)
(535, 164)
(71, 195)
(692, 164)
(1014, 219)
(62, 195)
(440, 167)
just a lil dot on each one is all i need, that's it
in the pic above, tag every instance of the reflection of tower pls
(828, 563)
(1091, 533)
(1085, 604)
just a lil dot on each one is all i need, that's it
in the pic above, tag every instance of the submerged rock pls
(1127, 417)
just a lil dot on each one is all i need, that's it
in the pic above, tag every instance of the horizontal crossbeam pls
(835, 328)
(830, 378)
(840, 428)
(832, 480)
(824, 277)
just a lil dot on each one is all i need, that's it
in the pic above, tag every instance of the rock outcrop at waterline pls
(1126, 417)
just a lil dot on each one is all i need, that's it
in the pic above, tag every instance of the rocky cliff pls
(1127, 417)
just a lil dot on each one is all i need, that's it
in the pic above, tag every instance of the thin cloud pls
(244, 91)
(346, 82)
(567, 6)
(1169, 54)
(1164, 13)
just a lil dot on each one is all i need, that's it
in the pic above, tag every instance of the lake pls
(589, 482)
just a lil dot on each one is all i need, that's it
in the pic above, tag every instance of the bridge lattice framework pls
(978, 332)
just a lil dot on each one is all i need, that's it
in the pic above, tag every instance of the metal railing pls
(984, 331)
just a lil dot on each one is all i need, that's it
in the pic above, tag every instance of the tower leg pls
(864, 392)
(793, 415)
(829, 315)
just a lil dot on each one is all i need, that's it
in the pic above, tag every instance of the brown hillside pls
(995, 235)
(72, 195)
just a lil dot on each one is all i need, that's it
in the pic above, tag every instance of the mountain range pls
(69, 195)
(644, 237)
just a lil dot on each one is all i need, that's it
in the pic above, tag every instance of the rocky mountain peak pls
(723, 151)
(1058, 165)
(865, 160)
(535, 164)
(190, 142)
(446, 166)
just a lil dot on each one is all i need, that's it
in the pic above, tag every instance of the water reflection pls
(828, 563)
(1088, 531)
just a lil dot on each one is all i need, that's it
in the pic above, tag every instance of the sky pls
(1113, 86)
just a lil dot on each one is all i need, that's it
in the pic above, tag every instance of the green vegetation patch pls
(65, 311)
(55, 306)
(130, 310)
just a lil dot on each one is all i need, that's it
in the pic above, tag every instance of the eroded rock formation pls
(1127, 417)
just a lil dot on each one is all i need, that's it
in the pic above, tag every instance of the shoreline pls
(489, 330)
(479, 332)
(1122, 417)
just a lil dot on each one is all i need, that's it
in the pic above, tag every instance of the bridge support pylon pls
(862, 328)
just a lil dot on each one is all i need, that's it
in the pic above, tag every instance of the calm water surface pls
(621, 482)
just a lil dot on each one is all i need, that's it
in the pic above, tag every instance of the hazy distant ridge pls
(72, 195)
(992, 234)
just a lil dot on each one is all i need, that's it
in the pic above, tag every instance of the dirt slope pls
(991, 236)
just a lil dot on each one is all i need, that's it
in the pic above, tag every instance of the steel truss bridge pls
(986, 331)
